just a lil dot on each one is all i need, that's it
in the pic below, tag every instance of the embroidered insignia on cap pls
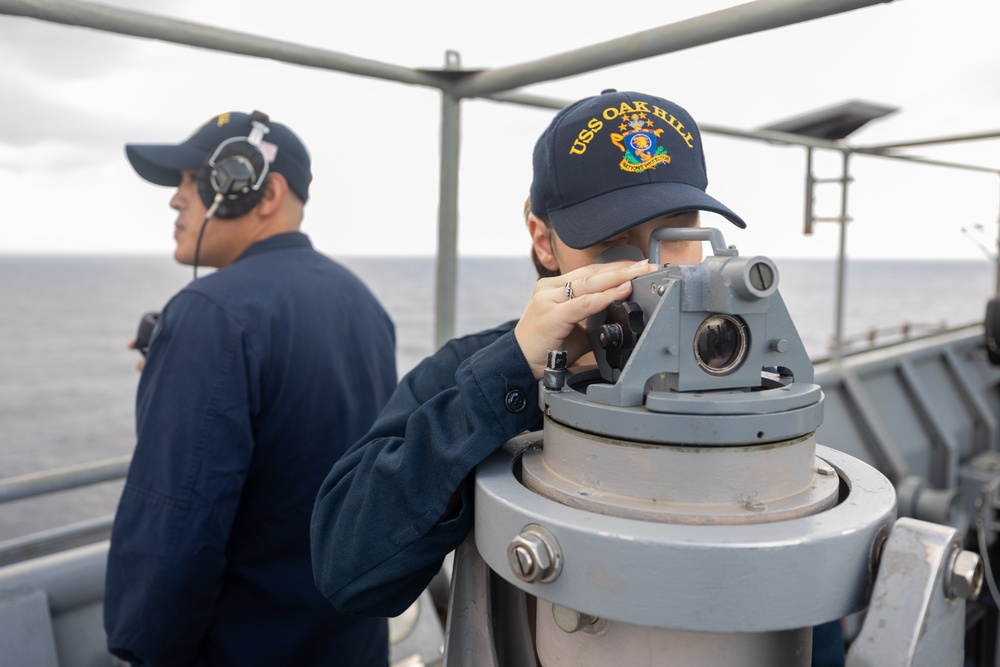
(640, 143)
(269, 150)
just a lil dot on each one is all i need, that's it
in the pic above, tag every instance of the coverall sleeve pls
(379, 530)
(195, 442)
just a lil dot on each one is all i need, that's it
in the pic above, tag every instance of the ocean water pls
(67, 379)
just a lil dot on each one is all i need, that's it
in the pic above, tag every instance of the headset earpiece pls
(232, 172)
(236, 169)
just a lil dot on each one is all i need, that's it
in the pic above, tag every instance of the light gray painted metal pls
(26, 636)
(487, 618)
(712, 235)
(609, 643)
(841, 292)
(947, 379)
(417, 635)
(945, 472)
(810, 197)
(70, 579)
(881, 440)
(446, 278)
(911, 622)
(744, 19)
(573, 409)
(469, 632)
(677, 302)
(72, 583)
(663, 391)
(792, 574)
(972, 395)
(55, 539)
(668, 484)
(957, 138)
(919, 500)
(61, 479)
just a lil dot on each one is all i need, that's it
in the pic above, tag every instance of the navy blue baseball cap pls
(608, 163)
(162, 163)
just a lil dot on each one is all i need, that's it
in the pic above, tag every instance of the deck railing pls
(51, 481)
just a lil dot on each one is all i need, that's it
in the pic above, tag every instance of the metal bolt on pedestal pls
(570, 620)
(964, 579)
(534, 555)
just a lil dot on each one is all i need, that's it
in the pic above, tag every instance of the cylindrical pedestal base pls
(611, 643)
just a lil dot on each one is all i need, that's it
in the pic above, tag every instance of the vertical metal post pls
(447, 249)
(807, 227)
(838, 334)
(996, 287)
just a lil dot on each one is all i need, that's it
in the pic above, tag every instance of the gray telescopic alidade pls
(676, 508)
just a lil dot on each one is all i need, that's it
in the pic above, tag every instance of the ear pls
(275, 192)
(541, 241)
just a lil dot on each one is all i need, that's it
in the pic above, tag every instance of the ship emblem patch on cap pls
(640, 144)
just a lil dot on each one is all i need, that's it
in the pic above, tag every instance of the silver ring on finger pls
(569, 290)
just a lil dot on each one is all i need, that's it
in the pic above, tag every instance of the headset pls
(232, 180)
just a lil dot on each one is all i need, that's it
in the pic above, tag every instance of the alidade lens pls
(720, 345)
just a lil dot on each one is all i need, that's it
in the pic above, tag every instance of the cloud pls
(53, 77)
(55, 52)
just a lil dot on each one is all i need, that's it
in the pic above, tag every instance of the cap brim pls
(162, 163)
(602, 217)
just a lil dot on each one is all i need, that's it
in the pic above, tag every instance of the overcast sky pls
(71, 97)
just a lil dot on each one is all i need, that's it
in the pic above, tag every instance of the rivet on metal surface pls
(534, 555)
(780, 345)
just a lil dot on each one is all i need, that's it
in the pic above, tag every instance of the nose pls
(175, 201)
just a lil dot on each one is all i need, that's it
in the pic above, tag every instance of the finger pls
(592, 282)
(597, 269)
(585, 305)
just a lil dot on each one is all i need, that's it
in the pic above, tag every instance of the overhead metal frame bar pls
(748, 18)
(165, 29)
(957, 138)
(737, 21)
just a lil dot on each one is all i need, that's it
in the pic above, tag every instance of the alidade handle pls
(710, 234)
